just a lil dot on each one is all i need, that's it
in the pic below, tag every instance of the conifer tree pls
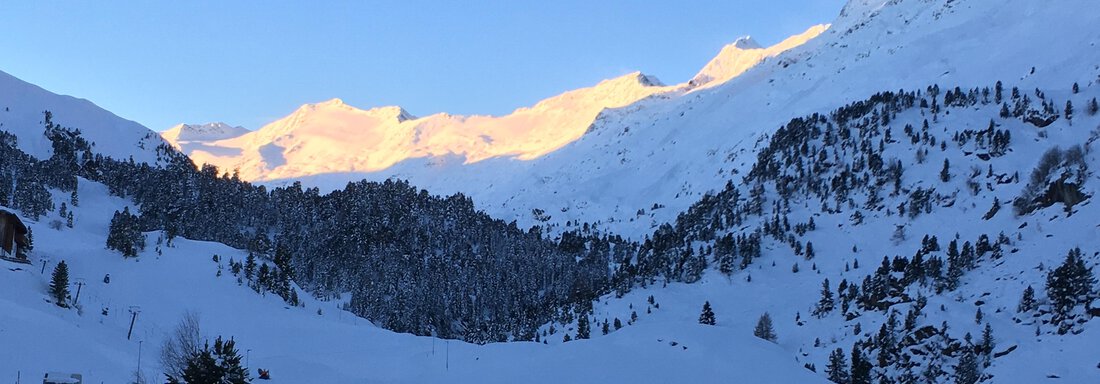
(826, 303)
(967, 371)
(945, 173)
(764, 329)
(1027, 302)
(1070, 284)
(837, 369)
(124, 235)
(218, 365)
(1094, 107)
(583, 331)
(59, 284)
(861, 367)
(988, 343)
(249, 266)
(707, 317)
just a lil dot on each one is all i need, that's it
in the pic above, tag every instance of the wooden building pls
(13, 235)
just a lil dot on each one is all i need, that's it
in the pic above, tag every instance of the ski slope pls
(316, 343)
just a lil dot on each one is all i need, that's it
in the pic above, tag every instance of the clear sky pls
(250, 62)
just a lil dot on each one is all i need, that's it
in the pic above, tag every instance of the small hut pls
(13, 235)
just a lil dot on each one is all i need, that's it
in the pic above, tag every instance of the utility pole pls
(140, 375)
(79, 285)
(134, 310)
(448, 355)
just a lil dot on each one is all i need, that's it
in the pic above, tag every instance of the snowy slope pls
(317, 343)
(668, 149)
(21, 107)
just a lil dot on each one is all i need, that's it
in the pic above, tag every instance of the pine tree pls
(707, 317)
(249, 266)
(1070, 284)
(826, 303)
(618, 324)
(988, 342)
(202, 368)
(1069, 110)
(583, 328)
(218, 365)
(764, 329)
(1094, 107)
(124, 235)
(837, 369)
(59, 284)
(1027, 302)
(945, 174)
(968, 371)
(606, 327)
(861, 367)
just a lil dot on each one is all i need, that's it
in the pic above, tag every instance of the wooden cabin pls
(13, 235)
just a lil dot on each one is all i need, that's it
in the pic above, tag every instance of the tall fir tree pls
(707, 317)
(218, 365)
(826, 304)
(584, 330)
(1071, 283)
(764, 329)
(59, 284)
(1027, 302)
(860, 367)
(837, 369)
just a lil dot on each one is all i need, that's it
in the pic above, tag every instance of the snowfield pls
(626, 155)
(299, 345)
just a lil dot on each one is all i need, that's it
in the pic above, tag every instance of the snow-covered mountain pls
(21, 113)
(642, 146)
(187, 133)
(332, 137)
(856, 141)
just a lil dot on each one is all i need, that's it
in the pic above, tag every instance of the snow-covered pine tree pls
(764, 329)
(124, 234)
(860, 367)
(1027, 302)
(583, 327)
(968, 371)
(707, 317)
(1070, 284)
(837, 369)
(826, 303)
(59, 284)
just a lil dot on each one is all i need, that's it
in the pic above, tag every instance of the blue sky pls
(251, 62)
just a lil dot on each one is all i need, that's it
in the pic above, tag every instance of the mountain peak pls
(746, 42)
(333, 102)
(744, 53)
(202, 132)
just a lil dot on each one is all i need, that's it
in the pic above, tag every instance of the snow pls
(601, 154)
(21, 106)
(297, 344)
